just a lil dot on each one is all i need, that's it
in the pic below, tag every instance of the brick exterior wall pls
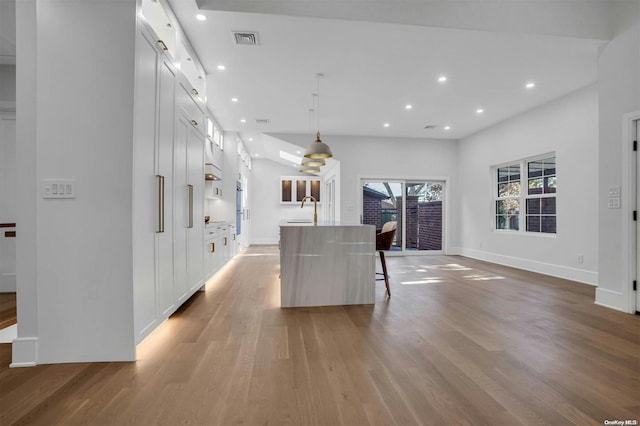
(371, 211)
(430, 225)
(424, 221)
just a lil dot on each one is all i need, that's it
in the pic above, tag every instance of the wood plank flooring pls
(7, 309)
(459, 342)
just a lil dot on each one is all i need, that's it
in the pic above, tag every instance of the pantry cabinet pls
(168, 186)
(153, 182)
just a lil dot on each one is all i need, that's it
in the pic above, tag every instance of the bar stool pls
(384, 240)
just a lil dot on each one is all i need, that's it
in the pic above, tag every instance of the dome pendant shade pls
(313, 162)
(318, 149)
(309, 169)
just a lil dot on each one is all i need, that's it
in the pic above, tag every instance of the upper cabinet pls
(193, 71)
(213, 149)
(294, 188)
(165, 29)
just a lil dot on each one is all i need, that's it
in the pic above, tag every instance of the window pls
(541, 195)
(508, 201)
(538, 195)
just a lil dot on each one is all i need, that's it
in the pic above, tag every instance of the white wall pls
(265, 200)
(569, 127)
(75, 121)
(619, 93)
(365, 157)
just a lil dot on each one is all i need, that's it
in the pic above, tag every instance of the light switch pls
(58, 188)
(614, 203)
(614, 191)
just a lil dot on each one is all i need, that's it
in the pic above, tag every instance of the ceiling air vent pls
(246, 38)
(262, 121)
(430, 127)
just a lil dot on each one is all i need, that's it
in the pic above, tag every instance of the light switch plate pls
(614, 203)
(58, 188)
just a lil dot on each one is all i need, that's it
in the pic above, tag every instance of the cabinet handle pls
(164, 46)
(194, 122)
(212, 247)
(190, 194)
(194, 92)
(160, 182)
(225, 241)
(234, 237)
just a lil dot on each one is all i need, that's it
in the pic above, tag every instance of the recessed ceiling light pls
(447, 127)
(408, 106)
(201, 17)
(251, 140)
(234, 99)
(256, 155)
(530, 85)
(386, 124)
(442, 79)
(479, 111)
(221, 67)
(298, 152)
(243, 120)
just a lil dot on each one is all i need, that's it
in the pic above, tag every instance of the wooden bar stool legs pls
(384, 272)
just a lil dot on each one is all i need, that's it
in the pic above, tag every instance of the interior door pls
(7, 204)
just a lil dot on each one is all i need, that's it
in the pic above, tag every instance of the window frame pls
(523, 197)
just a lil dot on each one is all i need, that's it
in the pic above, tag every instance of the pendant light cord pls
(318, 84)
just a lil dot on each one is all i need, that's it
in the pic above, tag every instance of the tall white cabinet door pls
(164, 243)
(181, 200)
(147, 187)
(195, 174)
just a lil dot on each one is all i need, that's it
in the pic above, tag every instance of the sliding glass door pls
(415, 205)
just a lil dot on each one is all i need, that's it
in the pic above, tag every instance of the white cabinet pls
(212, 253)
(193, 72)
(168, 225)
(161, 24)
(189, 202)
(153, 182)
(234, 242)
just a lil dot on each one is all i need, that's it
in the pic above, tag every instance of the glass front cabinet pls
(294, 188)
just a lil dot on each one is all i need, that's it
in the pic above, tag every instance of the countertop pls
(301, 222)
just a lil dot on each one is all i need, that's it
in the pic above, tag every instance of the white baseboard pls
(611, 299)
(24, 352)
(573, 274)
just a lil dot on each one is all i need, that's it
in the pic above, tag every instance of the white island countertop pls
(326, 264)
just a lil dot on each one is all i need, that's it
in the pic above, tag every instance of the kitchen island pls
(326, 264)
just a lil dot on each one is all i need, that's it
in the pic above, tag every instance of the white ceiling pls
(374, 63)
(373, 69)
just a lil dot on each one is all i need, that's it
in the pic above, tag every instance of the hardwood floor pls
(7, 309)
(459, 342)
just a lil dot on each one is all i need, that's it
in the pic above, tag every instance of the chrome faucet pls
(315, 207)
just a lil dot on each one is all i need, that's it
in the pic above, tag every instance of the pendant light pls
(318, 149)
(309, 169)
(314, 162)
